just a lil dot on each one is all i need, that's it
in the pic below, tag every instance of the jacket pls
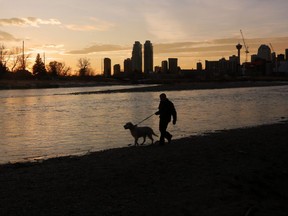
(166, 110)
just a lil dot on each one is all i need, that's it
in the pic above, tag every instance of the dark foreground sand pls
(234, 172)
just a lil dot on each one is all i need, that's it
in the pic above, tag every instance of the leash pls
(145, 119)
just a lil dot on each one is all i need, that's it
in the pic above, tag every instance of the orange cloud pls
(29, 21)
(4, 36)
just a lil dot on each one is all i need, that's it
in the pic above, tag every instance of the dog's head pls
(129, 125)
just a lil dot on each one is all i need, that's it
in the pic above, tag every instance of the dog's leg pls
(151, 137)
(136, 142)
(144, 139)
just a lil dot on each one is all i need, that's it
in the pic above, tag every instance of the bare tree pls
(84, 66)
(16, 60)
(4, 58)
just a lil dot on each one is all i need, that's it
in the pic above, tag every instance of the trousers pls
(163, 124)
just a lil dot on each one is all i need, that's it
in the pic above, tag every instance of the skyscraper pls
(107, 67)
(173, 65)
(137, 57)
(164, 66)
(264, 52)
(128, 66)
(116, 70)
(148, 57)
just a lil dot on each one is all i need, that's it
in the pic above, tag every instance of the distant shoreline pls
(189, 86)
(41, 84)
(177, 85)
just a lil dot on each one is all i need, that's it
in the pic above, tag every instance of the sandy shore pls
(233, 172)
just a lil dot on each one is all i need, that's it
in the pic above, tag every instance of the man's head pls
(163, 97)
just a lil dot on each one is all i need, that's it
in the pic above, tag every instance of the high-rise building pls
(116, 70)
(286, 54)
(148, 57)
(199, 66)
(264, 52)
(281, 57)
(127, 66)
(137, 57)
(107, 67)
(164, 66)
(173, 65)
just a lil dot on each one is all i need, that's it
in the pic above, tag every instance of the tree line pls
(14, 63)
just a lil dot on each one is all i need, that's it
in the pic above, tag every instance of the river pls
(38, 124)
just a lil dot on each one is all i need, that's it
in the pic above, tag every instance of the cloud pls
(29, 21)
(80, 27)
(164, 27)
(219, 47)
(96, 25)
(100, 48)
(4, 36)
(199, 46)
(102, 25)
(53, 46)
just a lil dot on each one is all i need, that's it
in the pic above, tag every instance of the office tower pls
(164, 67)
(173, 65)
(264, 52)
(148, 57)
(127, 66)
(107, 67)
(137, 57)
(280, 57)
(254, 58)
(286, 54)
(116, 70)
(199, 66)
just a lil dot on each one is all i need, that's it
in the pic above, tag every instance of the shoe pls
(169, 139)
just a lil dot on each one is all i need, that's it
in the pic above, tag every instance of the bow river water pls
(42, 123)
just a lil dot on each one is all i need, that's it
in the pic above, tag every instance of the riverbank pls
(189, 86)
(233, 172)
(40, 84)
(172, 86)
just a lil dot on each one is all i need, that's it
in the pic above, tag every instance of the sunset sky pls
(190, 30)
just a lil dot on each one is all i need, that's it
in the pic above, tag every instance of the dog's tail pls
(154, 133)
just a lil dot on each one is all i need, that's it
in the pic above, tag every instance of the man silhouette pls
(166, 109)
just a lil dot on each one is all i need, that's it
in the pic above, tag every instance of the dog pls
(138, 132)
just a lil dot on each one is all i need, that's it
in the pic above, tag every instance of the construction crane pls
(274, 58)
(272, 48)
(246, 47)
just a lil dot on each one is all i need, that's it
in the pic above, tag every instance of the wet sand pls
(233, 172)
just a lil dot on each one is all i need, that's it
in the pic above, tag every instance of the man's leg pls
(168, 136)
(163, 127)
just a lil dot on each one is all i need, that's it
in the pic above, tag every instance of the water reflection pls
(46, 125)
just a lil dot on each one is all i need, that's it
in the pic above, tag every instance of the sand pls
(232, 172)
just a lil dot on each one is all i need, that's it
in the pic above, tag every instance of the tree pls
(3, 60)
(16, 63)
(84, 67)
(39, 69)
(58, 69)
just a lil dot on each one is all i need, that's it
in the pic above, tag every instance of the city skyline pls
(191, 31)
